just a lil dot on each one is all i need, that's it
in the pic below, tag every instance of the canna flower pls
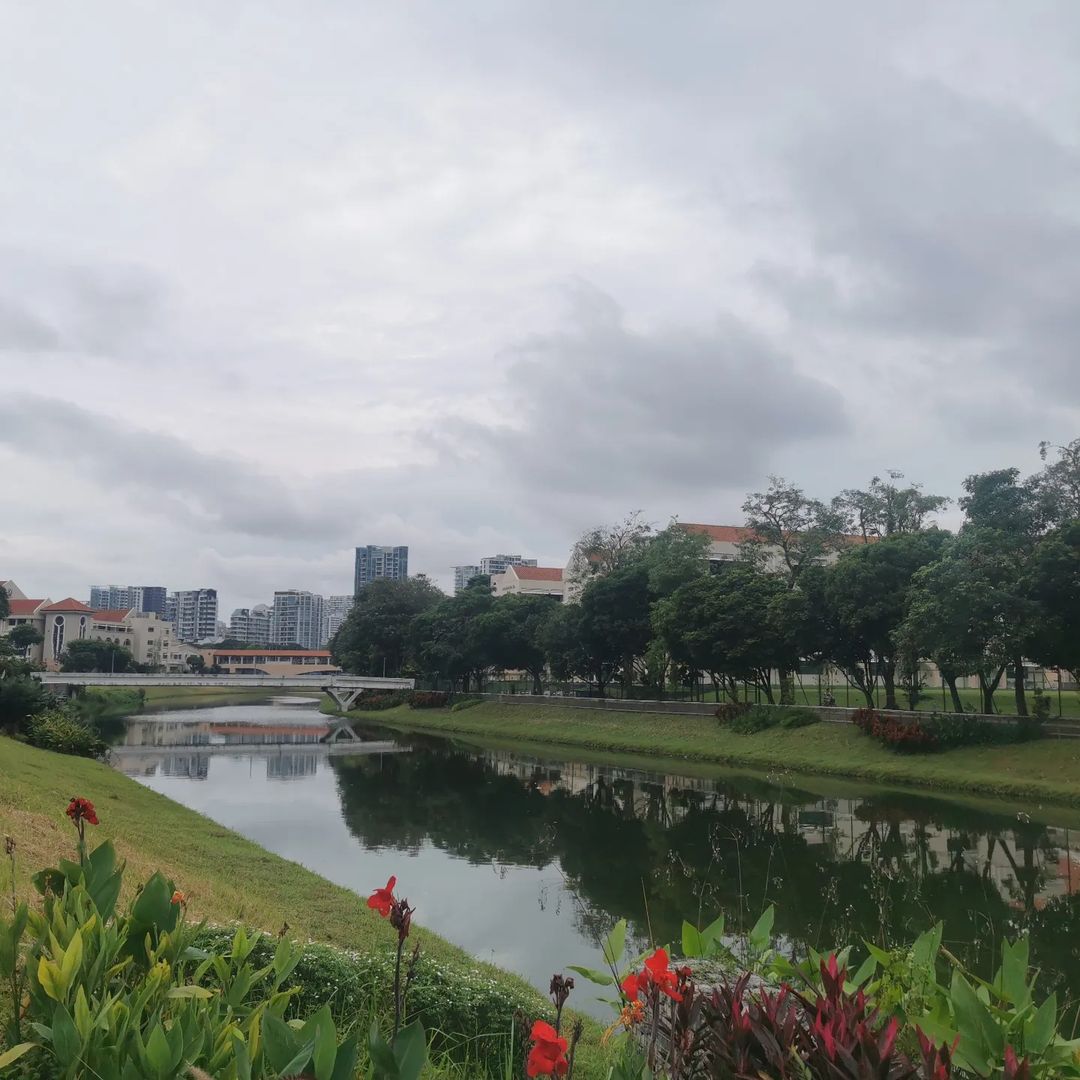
(80, 810)
(382, 900)
(547, 1057)
(656, 975)
(630, 1016)
(179, 898)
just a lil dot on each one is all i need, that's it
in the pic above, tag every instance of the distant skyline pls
(275, 282)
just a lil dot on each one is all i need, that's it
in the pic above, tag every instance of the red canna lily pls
(656, 975)
(548, 1054)
(382, 900)
(82, 810)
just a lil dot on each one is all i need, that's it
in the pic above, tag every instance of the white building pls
(463, 575)
(252, 625)
(531, 581)
(196, 614)
(499, 564)
(297, 619)
(335, 611)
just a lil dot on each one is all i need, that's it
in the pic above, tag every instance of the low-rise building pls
(270, 661)
(25, 611)
(530, 581)
(145, 634)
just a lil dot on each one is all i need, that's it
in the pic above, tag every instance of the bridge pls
(342, 689)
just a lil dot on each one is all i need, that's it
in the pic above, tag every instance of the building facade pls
(196, 615)
(335, 611)
(297, 619)
(375, 561)
(148, 637)
(463, 575)
(499, 564)
(531, 581)
(135, 597)
(25, 611)
(252, 625)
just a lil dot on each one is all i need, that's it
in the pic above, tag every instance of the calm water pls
(523, 860)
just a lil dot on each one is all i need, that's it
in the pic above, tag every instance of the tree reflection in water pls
(657, 848)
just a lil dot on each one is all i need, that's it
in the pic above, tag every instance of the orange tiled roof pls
(731, 534)
(22, 608)
(119, 615)
(270, 652)
(70, 604)
(538, 573)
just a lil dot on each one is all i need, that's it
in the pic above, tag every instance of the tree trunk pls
(950, 681)
(1018, 688)
(538, 686)
(888, 677)
(766, 689)
(987, 688)
(787, 687)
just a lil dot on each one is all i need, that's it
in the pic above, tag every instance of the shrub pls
(727, 711)
(57, 730)
(378, 702)
(428, 699)
(795, 717)
(941, 731)
(465, 703)
(754, 719)
(746, 719)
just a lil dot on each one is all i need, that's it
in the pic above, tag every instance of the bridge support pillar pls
(340, 731)
(343, 699)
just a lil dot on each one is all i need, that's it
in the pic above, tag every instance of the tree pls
(375, 636)
(886, 509)
(197, 663)
(5, 603)
(607, 548)
(1058, 485)
(804, 531)
(513, 629)
(563, 645)
(673, 557)
(615, 627)
(91, 655)
(999, 500)
(23, 636)
(737, 625)
(1053, 583)
(970, 612)
(453, 640)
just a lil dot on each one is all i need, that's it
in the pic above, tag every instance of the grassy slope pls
(1049, 769)
(225, 877)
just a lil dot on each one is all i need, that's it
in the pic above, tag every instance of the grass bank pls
(1044, 770)
(225, 877)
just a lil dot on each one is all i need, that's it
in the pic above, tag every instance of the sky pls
(281, 278)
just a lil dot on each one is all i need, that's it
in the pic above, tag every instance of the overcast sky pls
(277, 279)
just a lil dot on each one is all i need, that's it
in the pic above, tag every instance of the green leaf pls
(614, 944)
(158, 1051)
(1040, 1029)
(382, 1057)
(1012, 982)
(927, 945)
(72, 958)
(693, 943)
(344, 1063)
(972, 1021)
(299, 1063)
(601, 978)
(241, 1056)
(410, 1051)
(203, 993)
(9, 1057)
(761, 934)
(325, 1044)
(865, 973)
(49, 977)
(65, 1038)
(279, 1042)
(714, 931)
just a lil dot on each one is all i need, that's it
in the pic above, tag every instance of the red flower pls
(82, 810)
(382, 900)
(548, 1054)
(179, 898)
(656, 974)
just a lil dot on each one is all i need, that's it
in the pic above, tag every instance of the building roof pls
(22, 607)
(69, 603)
(538, 573)
(120, 615)
(730, 534)
(268, 651)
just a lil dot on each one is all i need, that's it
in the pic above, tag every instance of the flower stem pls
(397, 986)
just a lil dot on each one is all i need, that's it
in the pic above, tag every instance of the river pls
(524, 855)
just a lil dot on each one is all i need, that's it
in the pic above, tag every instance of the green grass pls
(225, 877)
(1047, 769)
(194, 697)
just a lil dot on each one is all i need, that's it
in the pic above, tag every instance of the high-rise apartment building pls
(335, 610)
(252, 625)
(143, 598)
(497, 564)
(374, 561)
(196, 614)
(297, 619)
(463, 575)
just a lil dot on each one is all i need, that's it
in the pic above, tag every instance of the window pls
(58, 635)
(82, 627)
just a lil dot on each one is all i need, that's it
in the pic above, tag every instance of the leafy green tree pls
(615, 626)
(453, 639)
(197, 663)
(971, 612)
(5, 603)
(23, 637)
(1058, 485)
(607, 548)
(885, 508)
(513, 630)
(737, 625)
(673, 557)
(865, 600)
(1054, 585)
(102, 656)
(1000, 500)
(563, 644)
(375, 636)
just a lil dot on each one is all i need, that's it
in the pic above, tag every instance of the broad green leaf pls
(65, 1039)
(927, 945)
(615, 943)
(299, 1063)
(693, 942)
(972, 1021)
(241, 1056)
(410, 1051)
(325, 1037)
(1012, 983)
(865, 973)
(49, 976)
(761, 934)
(9, 1057)
(344, 1063)
(279, 1043)
(83, 1021)
(203, 993)
(382, 1057)
(72, 958)
(158, 1051)
(1040, 1029)
(601, 978)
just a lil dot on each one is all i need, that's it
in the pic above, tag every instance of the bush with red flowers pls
(907, 734)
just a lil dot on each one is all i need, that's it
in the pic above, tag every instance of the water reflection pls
(526, 859)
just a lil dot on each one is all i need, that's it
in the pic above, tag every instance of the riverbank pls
(1047, 769)
(225, 877)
